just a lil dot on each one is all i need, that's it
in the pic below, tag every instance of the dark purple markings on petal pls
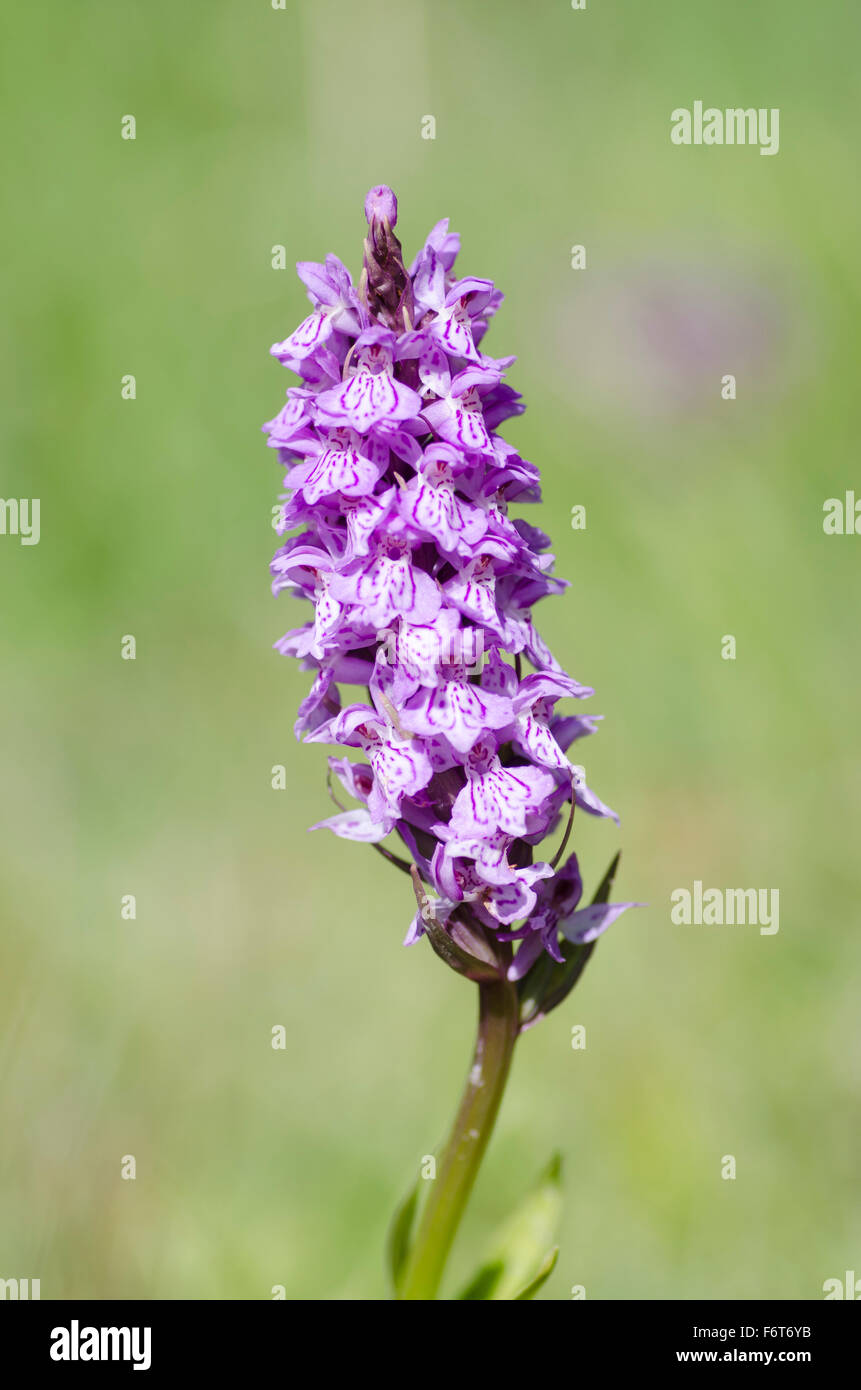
(453, 330)
(440, 514)
(460, 711)
(469, 429)
(366, 399)
(510, 901)
(429, 280)
(311, 334)
(358, 402)
(405, 446)
(473, 292)
(475, 599)
(340, 470)
(400, 770)
(356, 778)
(383, 397)
(568, 728)
(498, 677)
(287, 423)
(364, 516)
(538, 651)
(320, 704)
(549, 685)
(539, 742)
(492, 800)
(392, 588)
(434, 372)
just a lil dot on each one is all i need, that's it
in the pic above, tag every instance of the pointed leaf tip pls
(400, 1234)
(548, 1265)
(522, 1254)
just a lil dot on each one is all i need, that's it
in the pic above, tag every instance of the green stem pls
(497, 1033)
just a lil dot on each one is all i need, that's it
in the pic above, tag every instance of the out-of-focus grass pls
(152, 1037)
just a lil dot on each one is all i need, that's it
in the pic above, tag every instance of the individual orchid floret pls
(331, 290)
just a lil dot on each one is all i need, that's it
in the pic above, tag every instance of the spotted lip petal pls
(334, 471)
(388, 588)
(313, 333)
(423, 591)
(366, 399)
(437, 512)
(457, 710)
(496, 798)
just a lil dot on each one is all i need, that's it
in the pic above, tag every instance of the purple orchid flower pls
(398, 488)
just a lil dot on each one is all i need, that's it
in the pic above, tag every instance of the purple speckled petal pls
(401, 768)
(434, 372)
(319, 705)
(536, 740)
(339, 470)
(550, 685)
(509, 901)
(390, 588)
(459, 422)
(311, 334)
(457, 710)
(366, 398)
(439, 512)
(453, 330)
(494, 798)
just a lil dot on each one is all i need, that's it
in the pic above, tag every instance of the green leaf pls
(400, 1233)
(522, 1254)
(602, 892)
(548, 1264)
(544, 987)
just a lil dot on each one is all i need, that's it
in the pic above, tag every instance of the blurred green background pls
(151, 1037)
